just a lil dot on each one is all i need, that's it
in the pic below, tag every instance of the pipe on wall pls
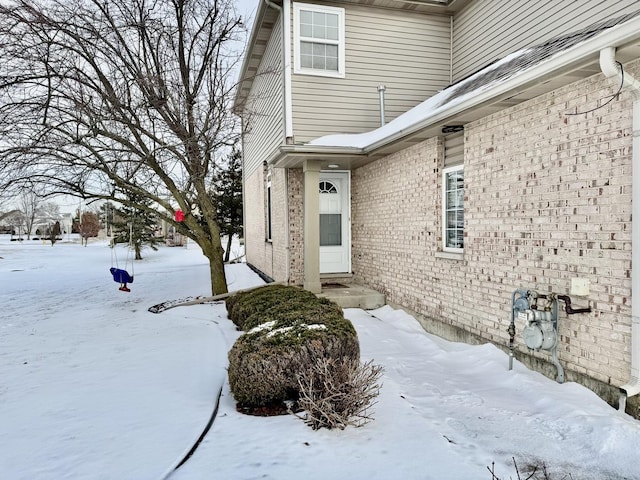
(613, 71)
(381, 90)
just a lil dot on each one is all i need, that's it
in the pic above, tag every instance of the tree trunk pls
(136, 247)
(227, 252)
(213, 251)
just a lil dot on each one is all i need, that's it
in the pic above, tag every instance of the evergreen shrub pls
(287, 330)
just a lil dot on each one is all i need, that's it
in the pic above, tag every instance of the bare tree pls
(101, 97)
(29, 204)
(54, 232)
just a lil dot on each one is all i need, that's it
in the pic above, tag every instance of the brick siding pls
(271, 257)
(547, 199)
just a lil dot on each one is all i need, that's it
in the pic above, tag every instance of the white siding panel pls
(488, 30)
(454, 149)
(263, 119)
(407, 52)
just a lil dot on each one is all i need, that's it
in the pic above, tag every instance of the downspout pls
(285, 12)
(288, 119)
(287, 228)
(612, 70)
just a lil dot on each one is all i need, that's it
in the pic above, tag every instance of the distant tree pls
(49, 209)
(107, 215)
(48, 213)
(54, 232)
(29, 204)
(17, 223)
(136, 226)
(227, 195)
(89, 226)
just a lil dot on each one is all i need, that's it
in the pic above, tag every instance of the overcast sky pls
(247, 8)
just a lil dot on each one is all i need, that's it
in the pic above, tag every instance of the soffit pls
(438, 7)
(265, 19)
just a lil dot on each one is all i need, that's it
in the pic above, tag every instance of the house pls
(465, 158)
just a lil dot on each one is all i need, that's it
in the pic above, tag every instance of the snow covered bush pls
(241, 306)
(287, 331)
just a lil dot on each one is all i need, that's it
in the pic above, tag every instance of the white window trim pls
(269, 219)
(296, 40)
(446, 171)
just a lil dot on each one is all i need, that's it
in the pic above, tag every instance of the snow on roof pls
(422, 111)
(498, 72)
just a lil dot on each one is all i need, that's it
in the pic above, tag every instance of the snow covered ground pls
(93, 386)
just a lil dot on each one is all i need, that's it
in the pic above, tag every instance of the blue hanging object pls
(122, 277)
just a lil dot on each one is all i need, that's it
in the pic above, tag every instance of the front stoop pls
(353, 296)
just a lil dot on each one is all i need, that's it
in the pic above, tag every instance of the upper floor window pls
(453, 208)
(318, 40)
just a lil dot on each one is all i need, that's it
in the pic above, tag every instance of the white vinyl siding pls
(318, 40)
(407, 52)
(454, 149)
(487, 30)
(263, 118)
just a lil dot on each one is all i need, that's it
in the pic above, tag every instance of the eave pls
(561, 69)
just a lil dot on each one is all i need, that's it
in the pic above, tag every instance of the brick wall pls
(296, 226)
(254, 219)
(271, 257)
(547, 199)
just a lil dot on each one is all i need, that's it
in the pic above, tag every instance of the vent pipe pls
(381, 89)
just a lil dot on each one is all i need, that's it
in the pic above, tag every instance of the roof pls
(516, 78)
(531, 56)
(266, 17)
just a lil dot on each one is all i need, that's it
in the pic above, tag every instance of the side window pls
(318, 33)
(453, 209)
(268, 208)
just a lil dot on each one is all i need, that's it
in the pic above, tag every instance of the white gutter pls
(614, 36)
(612, 70)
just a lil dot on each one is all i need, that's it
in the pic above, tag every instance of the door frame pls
(345, 177)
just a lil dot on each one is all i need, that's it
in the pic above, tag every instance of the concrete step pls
(353, 296)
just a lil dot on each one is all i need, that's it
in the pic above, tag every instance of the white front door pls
(335, 245)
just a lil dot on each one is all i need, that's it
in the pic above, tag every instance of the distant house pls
(449, 154)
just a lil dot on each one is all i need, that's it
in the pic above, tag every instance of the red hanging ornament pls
(179, 216)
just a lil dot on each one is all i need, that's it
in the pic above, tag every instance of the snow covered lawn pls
(93, 386)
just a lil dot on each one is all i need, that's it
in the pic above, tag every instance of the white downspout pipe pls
(612, 71)
(285, 12)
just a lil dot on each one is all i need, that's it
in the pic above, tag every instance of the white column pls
(311, 171)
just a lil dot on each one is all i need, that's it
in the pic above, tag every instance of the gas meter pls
(540, 331)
